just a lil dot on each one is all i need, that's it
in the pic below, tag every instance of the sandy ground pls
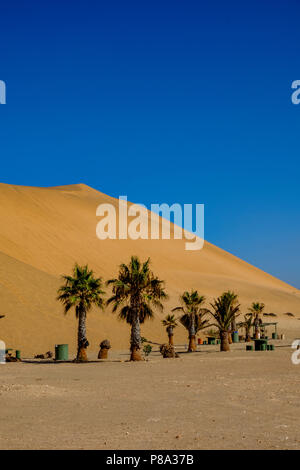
(204, 400)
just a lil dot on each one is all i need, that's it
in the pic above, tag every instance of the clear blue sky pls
(180, 101)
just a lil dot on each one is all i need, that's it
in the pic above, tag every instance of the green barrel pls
(274, 336)
(204, 342)
(61, 352)
(18, 354)
(235, 337)
(249, 347)
(272, 347)
(259, 343)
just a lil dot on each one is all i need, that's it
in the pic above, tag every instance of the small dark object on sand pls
(168, 351)
(104, 347)
(10, 358)
(47, 355)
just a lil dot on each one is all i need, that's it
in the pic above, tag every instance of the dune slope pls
(44, 231)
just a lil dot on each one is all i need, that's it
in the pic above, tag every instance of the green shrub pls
(147, 349)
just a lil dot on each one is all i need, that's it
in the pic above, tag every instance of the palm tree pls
(247, 323)
(193, 318)
(81, 291)
(256, 310)
(234, 299)
(135, 292)
(170, 323)
(225, 310)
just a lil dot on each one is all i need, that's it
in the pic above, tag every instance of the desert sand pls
(44, 231)
(203, 400)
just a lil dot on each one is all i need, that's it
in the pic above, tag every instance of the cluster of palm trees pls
(222, 314)
(136, 292)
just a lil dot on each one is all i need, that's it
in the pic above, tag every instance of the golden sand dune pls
(44, 231)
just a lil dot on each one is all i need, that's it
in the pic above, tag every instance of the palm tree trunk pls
(247, 335)
(256, 325)
(224, 341)
(229, 337)
(135, 339)
(81, 343)
(192, 336)
(192, 343)
(170, 335)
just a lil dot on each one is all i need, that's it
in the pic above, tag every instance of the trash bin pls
(235, 337)
(61, 352)
(259, 343)
(272, 347)
(274, 336)
(211, 340)
(249, 347)
(18, 354)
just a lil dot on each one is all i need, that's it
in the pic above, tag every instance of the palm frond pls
(138, 288)
(82, 290)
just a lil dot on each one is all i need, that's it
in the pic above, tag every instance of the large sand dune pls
(44, 231)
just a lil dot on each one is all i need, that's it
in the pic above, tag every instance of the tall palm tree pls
(193, 318)
(170, 323)
(256, 310)
(224, 311)
(81, 291)
(234, 301)
(135, 292)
